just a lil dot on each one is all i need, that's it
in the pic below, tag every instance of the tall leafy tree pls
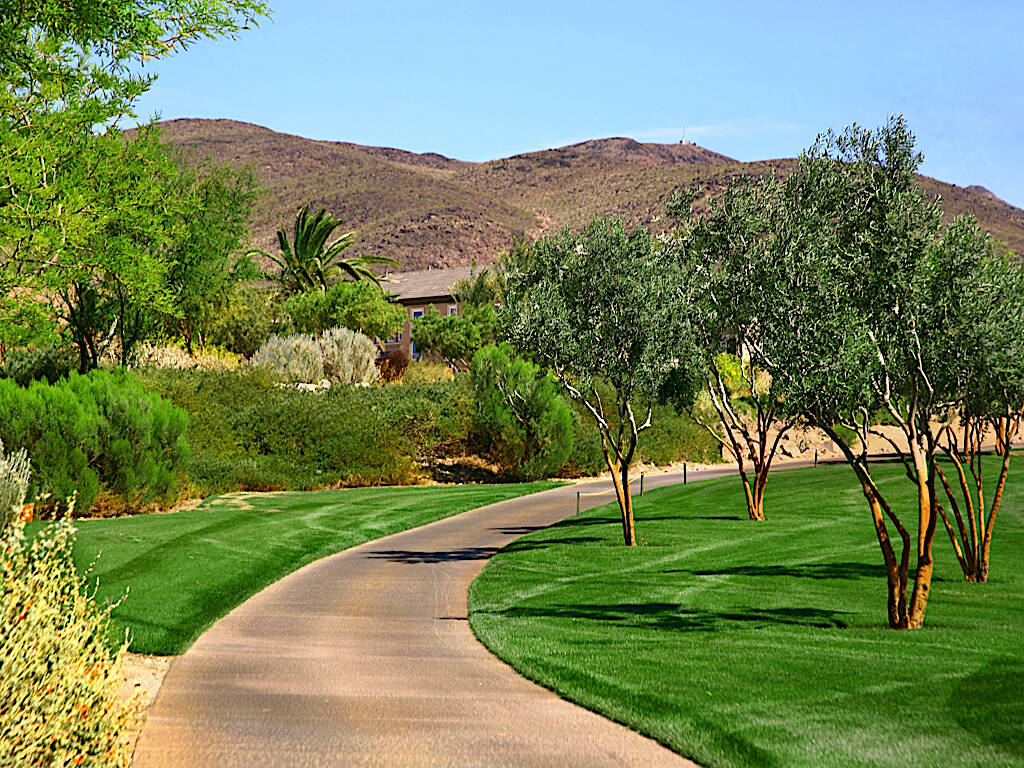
(204, 258)
(868, 286)
(600, 307)
(983, 315)
(307, 262)
(76, 205)
(725, 259)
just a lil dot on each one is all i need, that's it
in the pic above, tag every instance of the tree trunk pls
(620, 479)
(895, 579)
(997, 499)
(754, 494)
(927, 514)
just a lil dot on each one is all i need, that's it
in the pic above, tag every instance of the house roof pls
(425, 284)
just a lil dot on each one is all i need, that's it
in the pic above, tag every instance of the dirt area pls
(143, 676)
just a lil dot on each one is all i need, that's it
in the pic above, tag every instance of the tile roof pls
(427, 283)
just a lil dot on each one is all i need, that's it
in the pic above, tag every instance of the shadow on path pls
(414, 557)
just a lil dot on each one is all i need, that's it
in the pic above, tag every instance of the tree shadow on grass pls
(990, 704)
(809, 571)
(671, 617)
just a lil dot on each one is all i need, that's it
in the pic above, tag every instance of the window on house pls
(414, 313)
(453, 309)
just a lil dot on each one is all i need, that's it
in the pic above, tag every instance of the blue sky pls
(753, 80)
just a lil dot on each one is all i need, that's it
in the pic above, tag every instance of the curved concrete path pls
(366, 658)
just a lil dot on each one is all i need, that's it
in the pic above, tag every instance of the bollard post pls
(815, 457)
(641, 483)
(577, 503)
(684, 473)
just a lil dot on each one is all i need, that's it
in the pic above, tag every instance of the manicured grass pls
(185, 570)
(742, 644)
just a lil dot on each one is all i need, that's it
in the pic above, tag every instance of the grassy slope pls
(185, 570)
(740, 644)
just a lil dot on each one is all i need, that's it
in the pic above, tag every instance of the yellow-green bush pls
(424, 372)
(58, 676)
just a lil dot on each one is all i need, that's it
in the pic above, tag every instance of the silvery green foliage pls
(15, 473)
(349, 357)
(294, 359)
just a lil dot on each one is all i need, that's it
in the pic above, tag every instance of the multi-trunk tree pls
(598, 308)
(868, 285)
(725, 258)
(987, 377)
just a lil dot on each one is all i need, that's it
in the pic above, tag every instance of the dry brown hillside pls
(429, 210)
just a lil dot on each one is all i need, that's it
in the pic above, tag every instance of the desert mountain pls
(429, 210)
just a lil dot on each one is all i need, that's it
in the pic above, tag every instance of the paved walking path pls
(366, 658)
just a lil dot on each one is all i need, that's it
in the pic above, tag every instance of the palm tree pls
(307, 262)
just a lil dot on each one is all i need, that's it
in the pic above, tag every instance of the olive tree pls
(986, 379)
(725, 258)
(860, 327)
(600, 307)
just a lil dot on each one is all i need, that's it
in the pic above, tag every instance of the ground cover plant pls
(189, 568)
(767, 645)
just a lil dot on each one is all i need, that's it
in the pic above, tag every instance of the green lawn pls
(185, 570)
(742, 644)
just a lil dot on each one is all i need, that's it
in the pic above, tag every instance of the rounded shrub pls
(519, 413)
(97, 429)
(295, 359)
(349, 357)
(44, 363)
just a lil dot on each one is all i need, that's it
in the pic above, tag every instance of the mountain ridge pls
(429, 210)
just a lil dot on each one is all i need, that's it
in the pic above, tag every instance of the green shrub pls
(524, 422)
(45, 363)
(349, 357)
(59, 678)
(293, 359)
(676, 437)
(586, 458)
(425, 372)
(98, 429)
(360, 306)
(435, 418)
(247, 433)
(15, 474)
(246, 320)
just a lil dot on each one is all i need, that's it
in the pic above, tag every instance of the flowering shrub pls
(350, 357)
(294, 359)
(172, 356)
(58, 676)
